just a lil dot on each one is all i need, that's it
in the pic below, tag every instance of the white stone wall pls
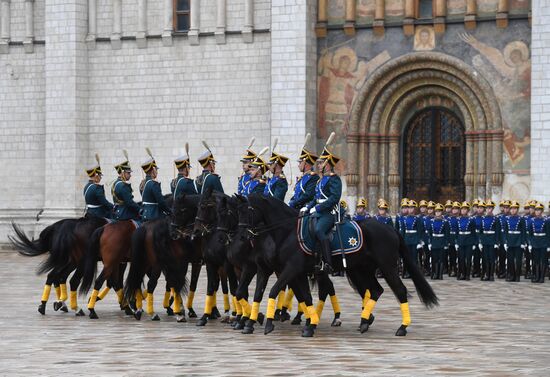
(540, 100)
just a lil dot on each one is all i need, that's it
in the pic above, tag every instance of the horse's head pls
(249, 216)
(184, 210)
(227, 217)
(206, 214)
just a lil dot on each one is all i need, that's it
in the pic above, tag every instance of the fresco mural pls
(424, 38)
(336, 12)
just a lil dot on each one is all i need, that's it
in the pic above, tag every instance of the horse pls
(381, 249)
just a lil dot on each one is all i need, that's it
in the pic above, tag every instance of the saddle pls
(352, 236)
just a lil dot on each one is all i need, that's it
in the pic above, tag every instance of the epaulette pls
(262, 180)
(332, 174)
(312, 173)
(282, 176)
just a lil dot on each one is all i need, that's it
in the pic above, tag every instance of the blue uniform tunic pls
(182, 185)
(276, 187)
(255, 186)
(328, 192)
(244, 180)
(357, 217)
(125, 207)
(304, 191)
(412, 229)
(208, 180)
(153, 203)
(539, 239)
(384, 219)
(96, 203)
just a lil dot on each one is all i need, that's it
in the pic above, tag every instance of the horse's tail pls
(32, 248)
(138, 264)
(90, 261)
(62, 244)
(169, 264)
(424, 289)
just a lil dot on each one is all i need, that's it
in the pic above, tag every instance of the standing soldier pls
(246, 160)
(453, 251)
(257, 182)
(153, 203)
(361, 210)
(208, 178)
(94, 194)
(412, 230)
(427, 254)
(539, 236)
(304, 191)
(277, 185)
(489, 241)
(422, 208)
(125, 207)
(448, 208)
(478, 217)
(182, 184)
(501, 263)
(514, 242)
(465, 241)
(382, 216)
(529, 212)
(403, 212)
(439, 238)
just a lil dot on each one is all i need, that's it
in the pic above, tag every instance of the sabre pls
(340, 239)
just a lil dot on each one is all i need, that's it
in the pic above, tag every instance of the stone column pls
(471, 12)
(28, 42)
(440, 15)
(220, 21)
(116, 43)
(497, 176)
(141, 35)
(92, 23)
(349, 25)
(168, 27)
(248, 27)
(379, 14)
(322, 19)
(408, 21)
(394, 179)
(502, 14)
(5, 21)
(193, 33)
(469, 177)
(481, 165)
(372, 177)
(66, 108)
(355, 152)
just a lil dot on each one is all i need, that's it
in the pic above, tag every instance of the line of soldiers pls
(470, 240)
(317, 191)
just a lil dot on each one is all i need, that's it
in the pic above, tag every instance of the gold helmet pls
(423, 203)
(514, 204)
(343, 204)
(439, 207)
(327, 155)
(382, 204)
(490, 204)
(465, 205)
(124, 165)
(449, 203)
(457, 205)
(150, 163)
(362, 202)
(96, 169)
(475, 202)
(404, 202)
(481, 203)
(431, 204)
(207, 157)
(183, 161)
(413, 204)
(249, 155)
(539, 206)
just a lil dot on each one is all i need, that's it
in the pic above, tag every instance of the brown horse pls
(110, 244)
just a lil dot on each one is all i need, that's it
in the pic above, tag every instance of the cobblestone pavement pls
(489, 329)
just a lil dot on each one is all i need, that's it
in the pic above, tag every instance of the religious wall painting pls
(365, 11)
(456, 8)
(394, 8)
(336, 12)
(486, 7)
(424, 38)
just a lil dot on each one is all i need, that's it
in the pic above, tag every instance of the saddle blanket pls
(352, 237)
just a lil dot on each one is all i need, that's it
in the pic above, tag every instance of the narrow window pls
(181, 15)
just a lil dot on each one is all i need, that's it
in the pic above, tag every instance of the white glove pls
(303, 210)
(474, 247)
(312, 211)
(530, 247)
(506, 246)
(456, 246)
(430, 247)
(523, 246)
(497, 246)
(419, 246)
(548, 249)
(480, 246)
(446, 248)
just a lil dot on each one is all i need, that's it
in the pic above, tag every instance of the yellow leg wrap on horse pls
(313, 315)
(226, 306)
(120, 295)
(280, 300)
(46, 292)
(335, 304)
(255, 310)
(190, 298)
(150, 303)
(166, 300)
(246, 307)
(63, 291)
(405, 312)
(303, 309)
(139, 299)
(366, 298)
(320, 307)
(177, 301)
(367, 310)
(103, 292)
(238, 307)
(93, 299)
(144, 293)
(270, 314)
(288, 299)
(73, 302)
(208, 304)
(58, 292)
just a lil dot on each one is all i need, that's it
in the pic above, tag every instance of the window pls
(425, 9)
(181, 15)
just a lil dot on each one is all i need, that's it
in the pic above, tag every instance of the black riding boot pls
(535, 275)
(492, 267)
(468, 270)
(327, 256)
(440, 271)
(543, 269)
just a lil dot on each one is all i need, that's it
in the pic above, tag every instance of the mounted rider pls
(258, 169)
(208, 178)
(304, 191)
(153, 203)
(182, 184)
(277, 185)
(94, 194)
(246, 160)
(125, 206)
(327, 198)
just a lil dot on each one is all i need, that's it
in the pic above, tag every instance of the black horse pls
(382, 248)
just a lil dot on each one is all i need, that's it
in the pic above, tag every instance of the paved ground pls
(489, 329)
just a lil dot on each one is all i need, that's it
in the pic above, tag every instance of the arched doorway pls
(434, 156)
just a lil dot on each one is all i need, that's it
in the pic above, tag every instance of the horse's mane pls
(274, 203)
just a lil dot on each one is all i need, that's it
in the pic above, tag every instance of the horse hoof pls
(364, 327)
(226, 318)
(285, 316)
(308, 322)
(269, 327)
(181, 318)
(249, 327)
(128, 310)
(138, 313)
(215, 313)
(371, 319)
(202, 321)
(42, 308)
(401, 331)
(261, 318)
(93, 314)
(56, 305)
(191, 313)
(64, 308)
(308, 331)
(241, 324)
(297, 320)
(155, 318)
(277, 316)
(336, 322)
(236, 320)
(169, 311)
(80, 313)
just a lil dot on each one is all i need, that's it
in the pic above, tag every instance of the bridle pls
(202, 222)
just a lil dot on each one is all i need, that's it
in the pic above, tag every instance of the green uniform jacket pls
(490, 231)
(538, 229)
(208, 180)
(439, 233)
(466, 235)
(515, 231)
